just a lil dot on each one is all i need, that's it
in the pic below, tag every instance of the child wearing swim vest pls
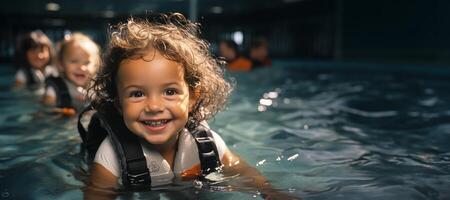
(78, 60)
(235, 61)
(158, 85)
(33, 56)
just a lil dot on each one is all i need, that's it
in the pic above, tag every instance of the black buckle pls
(139, 179)
(138, 175)
(203, 139)
(137, 164)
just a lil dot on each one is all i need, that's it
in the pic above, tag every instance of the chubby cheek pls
(130, 115)
(68, 71)
(68, 67)
(186, 109)
(92, 71)
(129, 112)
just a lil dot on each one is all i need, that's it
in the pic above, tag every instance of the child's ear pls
(193, 98)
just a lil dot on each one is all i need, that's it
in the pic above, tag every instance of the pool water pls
(315, 134)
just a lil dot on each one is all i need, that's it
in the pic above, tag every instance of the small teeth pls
(156, 123)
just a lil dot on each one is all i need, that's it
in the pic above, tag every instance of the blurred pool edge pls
(434, 70)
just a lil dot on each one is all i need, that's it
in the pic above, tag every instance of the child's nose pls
(154, 104)
(84, 67)
(41, 55)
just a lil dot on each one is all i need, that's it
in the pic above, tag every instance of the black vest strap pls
(31, 81)
(207, 150)
(83, 132)
(135, 174)
(62, 92)
(93, 136)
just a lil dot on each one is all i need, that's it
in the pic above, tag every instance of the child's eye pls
(136, 94)
(170, 91)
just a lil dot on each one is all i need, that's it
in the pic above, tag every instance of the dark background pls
(386, 31)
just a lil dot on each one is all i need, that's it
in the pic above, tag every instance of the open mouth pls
(156, 123)
(80, 76)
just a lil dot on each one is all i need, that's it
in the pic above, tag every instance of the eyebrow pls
(140, 86)
(132, 86)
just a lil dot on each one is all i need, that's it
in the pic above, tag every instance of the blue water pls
(315, 134)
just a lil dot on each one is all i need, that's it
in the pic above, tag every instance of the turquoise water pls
(315, 134)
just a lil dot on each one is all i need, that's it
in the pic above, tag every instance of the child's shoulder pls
(107, 156)
(51, 70)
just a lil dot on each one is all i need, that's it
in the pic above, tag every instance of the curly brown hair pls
(176, 38)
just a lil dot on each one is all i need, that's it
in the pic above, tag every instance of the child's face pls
(227, 52)
(259, 53)
(38, 57)
(78, 64)
(153, 98)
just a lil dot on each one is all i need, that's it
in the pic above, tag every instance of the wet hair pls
(87, 44)
(176, 38)
(32, 40)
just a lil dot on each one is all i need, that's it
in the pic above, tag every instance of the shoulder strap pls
(81, 130)
(135, 174)
(91, 137)
(62, 92)
(30, 78)
(207, 150)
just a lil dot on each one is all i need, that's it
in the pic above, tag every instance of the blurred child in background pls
(235, 61)
(259, 53)
(34, 55)
(78, 60)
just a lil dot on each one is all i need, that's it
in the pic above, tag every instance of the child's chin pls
(79, 83)
(156, 140)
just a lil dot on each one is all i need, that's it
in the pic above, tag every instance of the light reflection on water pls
(316, 135)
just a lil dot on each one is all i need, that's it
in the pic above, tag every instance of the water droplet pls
(280, 157)
(272, 95)
(265, 102)
(198, 184)
(261, 108)
(261, 162)
(291, 189)
(293, 157)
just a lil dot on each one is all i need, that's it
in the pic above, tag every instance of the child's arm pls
(18, 85)
(102, 184)
(233, 165)
(20, 80)
(49, 99)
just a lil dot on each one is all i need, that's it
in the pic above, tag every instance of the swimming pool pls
(316, 134)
